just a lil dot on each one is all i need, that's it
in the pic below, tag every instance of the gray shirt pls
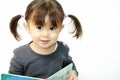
(28, 63)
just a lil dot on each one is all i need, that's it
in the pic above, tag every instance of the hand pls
(73, 75)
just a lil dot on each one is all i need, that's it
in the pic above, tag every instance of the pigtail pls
(78, 28)
(13, 26)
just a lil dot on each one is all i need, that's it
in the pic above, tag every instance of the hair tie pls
(65, 16)
(22, 16)
(66, 20)
(21, 21)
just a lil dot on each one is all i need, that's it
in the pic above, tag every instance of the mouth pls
(45, 41)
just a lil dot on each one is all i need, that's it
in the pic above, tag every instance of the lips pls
(45, 41)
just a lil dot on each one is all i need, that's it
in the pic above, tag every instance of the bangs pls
(39, 14)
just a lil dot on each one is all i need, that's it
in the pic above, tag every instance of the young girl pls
(44, 55)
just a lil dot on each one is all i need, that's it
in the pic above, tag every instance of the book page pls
(62, 74)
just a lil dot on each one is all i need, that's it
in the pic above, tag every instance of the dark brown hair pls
(38, 9)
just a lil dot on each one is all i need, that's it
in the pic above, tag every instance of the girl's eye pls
(39, 27)
(52, 28)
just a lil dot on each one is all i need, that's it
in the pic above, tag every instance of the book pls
(62, 74)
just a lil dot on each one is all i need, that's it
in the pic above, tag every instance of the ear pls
(62, 26)
(26, 26)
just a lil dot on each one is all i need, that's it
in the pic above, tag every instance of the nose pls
(45, 33)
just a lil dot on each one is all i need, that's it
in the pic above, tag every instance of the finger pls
(71, 78)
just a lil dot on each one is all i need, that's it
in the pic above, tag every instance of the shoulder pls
(21, 49)
(63, 44)
(63, 47)
(24, 53)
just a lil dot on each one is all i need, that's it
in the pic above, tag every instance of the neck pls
(43, 51)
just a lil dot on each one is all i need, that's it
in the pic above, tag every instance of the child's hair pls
(36, 12)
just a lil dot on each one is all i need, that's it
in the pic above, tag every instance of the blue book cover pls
(62, 74)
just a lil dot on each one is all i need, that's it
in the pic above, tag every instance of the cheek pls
(54, 35)
(35, 36)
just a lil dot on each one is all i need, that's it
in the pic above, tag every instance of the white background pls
(96, 54)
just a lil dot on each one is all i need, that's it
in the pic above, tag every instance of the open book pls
(62, 74)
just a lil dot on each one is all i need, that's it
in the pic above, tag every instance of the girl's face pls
(44, 37)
